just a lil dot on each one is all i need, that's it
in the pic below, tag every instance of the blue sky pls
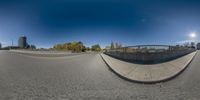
(129, 22)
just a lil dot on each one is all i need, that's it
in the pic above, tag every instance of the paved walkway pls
(148, 73)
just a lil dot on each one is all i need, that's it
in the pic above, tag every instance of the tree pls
(59, 47)
(88, 48)
(32, 46)
(186, 44)
(96, 47)
(112, 45)
(120, 45)
(116, 45)
(71, 46)
(77, 46)
(192, 44)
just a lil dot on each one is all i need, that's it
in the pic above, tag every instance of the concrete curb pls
(47, 54)
(167, 78)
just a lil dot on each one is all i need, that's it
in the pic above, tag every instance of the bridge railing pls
(149, 53)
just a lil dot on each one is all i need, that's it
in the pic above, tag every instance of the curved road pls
(85, 77)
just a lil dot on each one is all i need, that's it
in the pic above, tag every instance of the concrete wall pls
(146, 57)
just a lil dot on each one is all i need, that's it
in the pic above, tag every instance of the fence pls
(149, 53)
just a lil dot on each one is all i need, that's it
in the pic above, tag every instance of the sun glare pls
(192, 35)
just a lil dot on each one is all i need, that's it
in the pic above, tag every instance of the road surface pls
(85, 77)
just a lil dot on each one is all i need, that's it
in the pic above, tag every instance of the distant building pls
(22, 42)
(0, 45)
(198, 46)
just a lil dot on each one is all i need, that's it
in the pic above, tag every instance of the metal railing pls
(149, 53)
(148, 49)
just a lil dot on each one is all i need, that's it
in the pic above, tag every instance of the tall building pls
(22, 42)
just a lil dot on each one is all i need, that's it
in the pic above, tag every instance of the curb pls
(148, 82)
(47, 55)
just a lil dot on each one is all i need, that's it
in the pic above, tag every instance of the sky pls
(129, 22)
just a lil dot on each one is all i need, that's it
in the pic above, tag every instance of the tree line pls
(76, 47)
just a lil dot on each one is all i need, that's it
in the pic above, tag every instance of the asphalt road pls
(85, 77)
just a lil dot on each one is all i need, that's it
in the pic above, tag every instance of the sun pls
(192, 34)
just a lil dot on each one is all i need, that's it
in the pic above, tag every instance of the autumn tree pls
(96, 47)
(71, 46)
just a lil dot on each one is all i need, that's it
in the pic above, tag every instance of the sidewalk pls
(148, 73)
